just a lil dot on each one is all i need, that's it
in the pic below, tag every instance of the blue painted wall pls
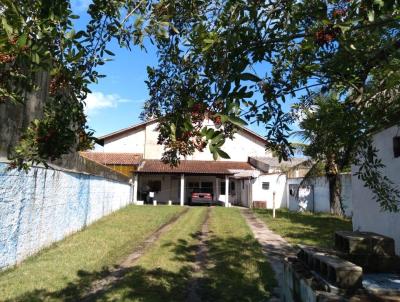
(43, 206)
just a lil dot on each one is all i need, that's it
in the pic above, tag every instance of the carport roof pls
(195, 167)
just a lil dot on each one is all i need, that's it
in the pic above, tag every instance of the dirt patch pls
(200, 260)
(118, 272)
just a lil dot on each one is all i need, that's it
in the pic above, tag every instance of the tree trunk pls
(332, 173)
(334, 195)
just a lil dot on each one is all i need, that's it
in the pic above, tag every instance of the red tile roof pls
(107, 158)
(195, 167)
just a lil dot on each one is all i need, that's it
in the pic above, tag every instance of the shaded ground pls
(304, 228)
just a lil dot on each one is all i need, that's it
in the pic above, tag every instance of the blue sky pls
(117, 100)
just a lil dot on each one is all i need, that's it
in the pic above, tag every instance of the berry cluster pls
(326, 35)
(6, 58)
(56, 84)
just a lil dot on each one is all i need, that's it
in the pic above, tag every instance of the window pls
(396, 146)
(154, 185)
(265, 185)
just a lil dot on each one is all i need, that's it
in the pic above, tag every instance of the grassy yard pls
(234, 268)
(237, 270)
(164, 272)
(305, 228)
(51, 275)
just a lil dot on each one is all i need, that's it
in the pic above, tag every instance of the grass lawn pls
(164, 272)
(305, 228)
(236, 270)
(51, 274)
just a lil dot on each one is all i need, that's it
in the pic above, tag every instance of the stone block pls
(375, 263)
(364, 243)
(259, 204)
(335, 270)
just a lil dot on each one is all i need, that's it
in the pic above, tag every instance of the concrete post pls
(182, 200)
(226, 190)
(216, 196)
(273, 205)
(135, 188)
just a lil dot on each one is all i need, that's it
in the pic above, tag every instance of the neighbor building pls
(369, 216)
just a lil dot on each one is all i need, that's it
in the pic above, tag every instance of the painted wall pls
(276, 184)
(367, 213)
(131, 143)
(321, 193)
(144, 140)
(44, 205)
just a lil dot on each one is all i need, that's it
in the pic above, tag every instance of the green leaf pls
(249, 77)
(36, 58)
(210, 133)
(173, 132)
(70, 34)
(237, 121)
(223, 154)
(7, 27)
(371, 16)
(22, 40)
(109, 52)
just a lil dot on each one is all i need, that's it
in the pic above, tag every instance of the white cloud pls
(97, 101)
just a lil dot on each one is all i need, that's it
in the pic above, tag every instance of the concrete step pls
(335, 270)
(364, 243)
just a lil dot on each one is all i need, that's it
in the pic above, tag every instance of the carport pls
(175, 183)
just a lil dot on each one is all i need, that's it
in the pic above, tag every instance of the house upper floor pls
(142, 139)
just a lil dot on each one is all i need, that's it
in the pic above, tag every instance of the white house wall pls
(144, 140)
(368, 216)
(239, 149)
(130, 143)
(277, 184)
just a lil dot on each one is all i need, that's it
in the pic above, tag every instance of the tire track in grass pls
(164, 271)
(120, 270)
(200, 261)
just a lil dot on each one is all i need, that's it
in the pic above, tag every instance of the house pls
(367, 213)
(241, 180)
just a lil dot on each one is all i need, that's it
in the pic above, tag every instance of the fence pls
(45, 205)
(320, 194)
